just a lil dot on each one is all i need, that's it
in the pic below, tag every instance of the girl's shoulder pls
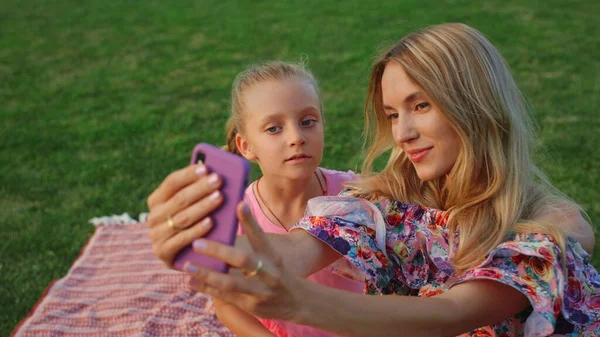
(335, 179)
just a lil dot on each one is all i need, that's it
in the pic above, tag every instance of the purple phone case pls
(234, 172)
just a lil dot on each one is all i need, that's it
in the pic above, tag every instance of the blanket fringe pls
(112, 220)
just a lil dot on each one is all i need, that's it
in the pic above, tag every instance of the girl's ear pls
(244, 147)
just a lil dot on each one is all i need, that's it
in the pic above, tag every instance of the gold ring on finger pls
(258, 269)
(172, 225)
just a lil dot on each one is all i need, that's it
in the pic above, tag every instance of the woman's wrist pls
(303, 310)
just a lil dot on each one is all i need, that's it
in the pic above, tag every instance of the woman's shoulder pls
(562, 299)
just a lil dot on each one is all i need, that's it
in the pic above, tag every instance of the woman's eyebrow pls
(413, 97)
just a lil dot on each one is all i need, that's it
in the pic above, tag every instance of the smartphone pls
(234, 171)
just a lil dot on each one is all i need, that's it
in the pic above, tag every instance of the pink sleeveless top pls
(334, 181)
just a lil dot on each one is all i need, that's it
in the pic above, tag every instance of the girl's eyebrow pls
(310, 108)
(275, 115)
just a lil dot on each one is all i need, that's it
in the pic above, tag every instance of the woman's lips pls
(417, 156)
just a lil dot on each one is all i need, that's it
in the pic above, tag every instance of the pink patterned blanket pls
(117, 288)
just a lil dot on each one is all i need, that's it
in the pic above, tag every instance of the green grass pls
(100, 100)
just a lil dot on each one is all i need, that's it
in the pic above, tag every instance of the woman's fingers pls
(184, 207)
(200, 209)
(167, 242)
(240, 300)
(254, 264)
(226, 283)
(203, 188)
(257, 238)
(175, 182)
(246, 293)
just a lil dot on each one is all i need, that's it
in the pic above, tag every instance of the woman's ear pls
(244, 147)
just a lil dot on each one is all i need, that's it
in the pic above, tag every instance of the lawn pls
(99, 100)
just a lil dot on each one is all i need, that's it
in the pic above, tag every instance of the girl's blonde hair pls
(265, 72)
(494, 187)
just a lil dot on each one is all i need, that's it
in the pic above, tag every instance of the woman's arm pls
(463, 308)
(239, 322)
(274, 292)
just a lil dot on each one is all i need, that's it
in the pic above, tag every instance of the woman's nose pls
(403, 130)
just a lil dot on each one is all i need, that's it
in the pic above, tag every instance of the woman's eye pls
(422, 106)
(392, 116)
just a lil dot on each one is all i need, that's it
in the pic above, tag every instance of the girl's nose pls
(297, 136)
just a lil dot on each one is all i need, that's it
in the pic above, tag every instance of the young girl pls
(277, 121)
(491, 260)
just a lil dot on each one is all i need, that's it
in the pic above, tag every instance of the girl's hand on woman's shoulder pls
(179, 210)
(570, 220)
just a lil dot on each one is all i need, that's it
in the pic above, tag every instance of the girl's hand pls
(179, 208)
(265, 289)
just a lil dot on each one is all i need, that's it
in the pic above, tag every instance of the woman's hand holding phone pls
(197, 202)
(188, 196)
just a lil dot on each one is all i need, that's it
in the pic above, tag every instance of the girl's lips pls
(416, 157)
(298, 160)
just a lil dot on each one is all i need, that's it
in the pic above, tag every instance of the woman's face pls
(418, 126)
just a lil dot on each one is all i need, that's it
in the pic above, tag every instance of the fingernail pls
(213, 179)
(190, 268)
(199, 244)
(200, 170)
(214, 196)
(206, 222)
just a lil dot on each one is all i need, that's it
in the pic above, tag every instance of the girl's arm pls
(239, 322)
(571, 221)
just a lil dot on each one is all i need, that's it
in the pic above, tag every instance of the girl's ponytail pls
(231, 131)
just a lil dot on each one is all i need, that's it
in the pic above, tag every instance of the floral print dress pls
(403, 249)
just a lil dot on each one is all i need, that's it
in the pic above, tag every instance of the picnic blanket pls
(117, 287)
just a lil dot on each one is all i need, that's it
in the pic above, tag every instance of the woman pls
(483, 252)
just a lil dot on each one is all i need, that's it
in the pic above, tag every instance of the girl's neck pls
(284, 200)
(288, 190)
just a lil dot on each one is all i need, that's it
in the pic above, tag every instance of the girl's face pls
(418, 126)
(283, 128)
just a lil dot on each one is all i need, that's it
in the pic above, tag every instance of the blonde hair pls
(265, 72)
(494, 188)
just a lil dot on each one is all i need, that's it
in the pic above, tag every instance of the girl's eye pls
(309, 122)
(272, 129)
(422, 106)
(392, 116)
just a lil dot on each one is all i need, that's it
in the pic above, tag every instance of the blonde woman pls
(460, 221)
